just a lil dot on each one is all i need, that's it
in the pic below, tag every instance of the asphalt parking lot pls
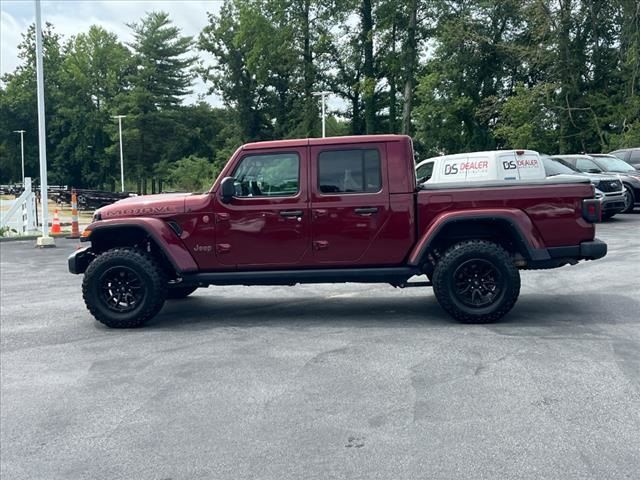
(324, 381)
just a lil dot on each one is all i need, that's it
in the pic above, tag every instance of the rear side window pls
(424, 172)
(635, 156)
(349, 171)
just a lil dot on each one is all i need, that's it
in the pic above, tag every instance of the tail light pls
(592, 210)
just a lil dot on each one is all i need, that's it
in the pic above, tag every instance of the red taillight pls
(519, 152)
(591, 210)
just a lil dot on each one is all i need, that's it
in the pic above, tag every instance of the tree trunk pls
(307, 59)
(368, 67)
(392, 80)
(410, 62)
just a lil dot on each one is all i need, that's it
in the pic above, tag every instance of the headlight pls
(599, 194)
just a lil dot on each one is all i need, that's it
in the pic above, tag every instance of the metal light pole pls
(45, 240)
(21, 132)
(120, 117)
(322, 95)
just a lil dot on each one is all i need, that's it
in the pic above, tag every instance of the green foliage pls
(461, 75)
(528, 119)
(192, 174)
(7, 231)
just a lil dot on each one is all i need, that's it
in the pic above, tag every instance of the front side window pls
(585, 165)
(556, 167)
(349, 171)
(268, 175)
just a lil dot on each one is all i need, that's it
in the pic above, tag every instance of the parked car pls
(481, 167)
(608, 188)
(629, 155)
(602, 163)
(355, 214)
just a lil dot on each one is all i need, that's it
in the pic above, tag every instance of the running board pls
(393, 275)
(415, 284)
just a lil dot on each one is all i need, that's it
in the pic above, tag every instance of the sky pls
(70, 17)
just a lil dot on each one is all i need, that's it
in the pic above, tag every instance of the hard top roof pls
(301, 142)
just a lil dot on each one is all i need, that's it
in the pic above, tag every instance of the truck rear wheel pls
(476, 282)
(124, 287)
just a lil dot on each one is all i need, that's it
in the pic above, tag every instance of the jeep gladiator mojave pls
(331, 210)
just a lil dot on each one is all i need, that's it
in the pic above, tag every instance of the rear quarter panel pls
(555, 211)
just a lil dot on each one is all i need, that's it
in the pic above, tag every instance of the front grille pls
(609, 186)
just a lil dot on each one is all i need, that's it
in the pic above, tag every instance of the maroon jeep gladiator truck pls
(330, 210)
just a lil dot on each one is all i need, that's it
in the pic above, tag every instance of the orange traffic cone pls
(55, 227)
(75, 228)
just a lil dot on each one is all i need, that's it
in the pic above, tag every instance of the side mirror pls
(227, 189)
(594, 170)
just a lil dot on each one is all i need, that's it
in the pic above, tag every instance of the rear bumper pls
(592, 250)
(79, 260)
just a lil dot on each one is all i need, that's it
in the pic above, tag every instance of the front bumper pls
(612, 203)
(79, 260)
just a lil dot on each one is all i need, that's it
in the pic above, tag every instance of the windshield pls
(556, 167)
(614, 164)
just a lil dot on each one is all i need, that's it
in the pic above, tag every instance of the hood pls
(162, 205)
(592, 177)
(630, 175)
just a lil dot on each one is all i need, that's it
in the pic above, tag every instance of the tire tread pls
(157, 290)
(483, 248)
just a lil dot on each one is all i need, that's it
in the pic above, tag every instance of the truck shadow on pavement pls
(203, 312)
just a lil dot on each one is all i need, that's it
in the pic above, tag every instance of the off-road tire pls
(629, 208)
(179, 292)
(486, 253)
(151, 277)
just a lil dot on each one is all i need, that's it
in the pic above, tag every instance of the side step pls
(393, 275)
(415, 284)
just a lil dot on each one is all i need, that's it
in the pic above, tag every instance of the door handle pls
(291, 213)
(365, 210)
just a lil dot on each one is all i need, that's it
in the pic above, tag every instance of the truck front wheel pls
(124, 287)
(476, 282)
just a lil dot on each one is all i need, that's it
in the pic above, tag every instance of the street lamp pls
(21, 132)
(322, 95)
(45, 240)
(120, 117)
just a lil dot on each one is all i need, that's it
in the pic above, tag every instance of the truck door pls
(349, 203)
(267, 223)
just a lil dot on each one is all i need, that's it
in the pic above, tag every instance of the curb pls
(34, 237)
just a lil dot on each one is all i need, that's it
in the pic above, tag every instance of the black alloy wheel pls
(122, 289)
(477, 283)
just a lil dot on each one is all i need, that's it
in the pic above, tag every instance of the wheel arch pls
(151, 234)
(513, 230)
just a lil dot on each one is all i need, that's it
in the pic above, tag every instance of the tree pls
(161, 77)
(18, 103)
(93, 73)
